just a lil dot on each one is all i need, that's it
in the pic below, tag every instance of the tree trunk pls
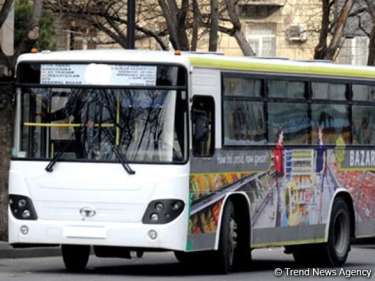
(371, 46)
(6, 111)
(5, 9)
(33, 34)
(237, 31)
(171, 24)
(322, 51)
(213, 26)
(5, 152)
(196, 13)
(243, 43)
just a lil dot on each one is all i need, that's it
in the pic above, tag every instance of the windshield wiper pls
(58, 155)
(118, 153)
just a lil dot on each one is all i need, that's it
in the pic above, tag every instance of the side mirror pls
(201, 126)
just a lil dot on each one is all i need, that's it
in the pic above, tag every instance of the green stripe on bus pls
(292, 242)
(267, 66)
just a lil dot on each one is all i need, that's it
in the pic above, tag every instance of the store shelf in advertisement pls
(214, 197)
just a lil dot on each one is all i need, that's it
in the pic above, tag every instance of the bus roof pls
(208, 60)
(280, 65)
(105, 55)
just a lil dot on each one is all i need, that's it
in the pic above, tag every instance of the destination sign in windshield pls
(98, 74)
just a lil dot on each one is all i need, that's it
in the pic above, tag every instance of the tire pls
(335, 252)
(234, 251)
(242, 251)
(338, 245)
(223, 258)
(75, 257)
(228, 240)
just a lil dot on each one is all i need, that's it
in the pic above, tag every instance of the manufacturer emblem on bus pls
(87, 212)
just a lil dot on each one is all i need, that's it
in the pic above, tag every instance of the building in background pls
(355, 42)
(277, 28)
(274, 28)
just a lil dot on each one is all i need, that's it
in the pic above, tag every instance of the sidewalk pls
(8, 252)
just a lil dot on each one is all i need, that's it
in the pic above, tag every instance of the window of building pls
(82, 37)
(354, 51)
(256, 11)
(262, 39)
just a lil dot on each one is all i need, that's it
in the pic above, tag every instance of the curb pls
(8, 252)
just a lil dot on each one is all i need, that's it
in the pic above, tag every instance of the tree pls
(23, 11)
(332, 28)
(351, 19)
(110, 17)
(236, 31)
(371, 11)
(8, 62)
(208, 17)
(183, 23)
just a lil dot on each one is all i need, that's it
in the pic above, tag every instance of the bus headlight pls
(26, 214)
(22, 203)
(22, 207)
(154, 217)
(163, 211)
(159, 206)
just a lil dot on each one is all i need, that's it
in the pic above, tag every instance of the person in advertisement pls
(320, 164)
(279, 164)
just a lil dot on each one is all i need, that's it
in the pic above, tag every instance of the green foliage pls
(22, 18)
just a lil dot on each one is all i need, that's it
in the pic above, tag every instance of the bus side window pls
(203, 124)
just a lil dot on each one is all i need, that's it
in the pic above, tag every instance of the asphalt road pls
(164, 266)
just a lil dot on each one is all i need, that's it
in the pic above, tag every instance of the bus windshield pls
(144, 125)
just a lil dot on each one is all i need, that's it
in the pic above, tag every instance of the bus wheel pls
(335, 251)
(338, 245)
(242, 252)
(75, 257)
(228, 239)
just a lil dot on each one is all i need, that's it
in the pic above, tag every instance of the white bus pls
(201, 154)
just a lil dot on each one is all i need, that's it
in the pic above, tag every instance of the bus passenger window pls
(203, 119)
(293, 118)
(329, 91)
(242, 86)
(363, 93)
(244, 123)
(363, 127)
(287, 89)
(334, 118)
